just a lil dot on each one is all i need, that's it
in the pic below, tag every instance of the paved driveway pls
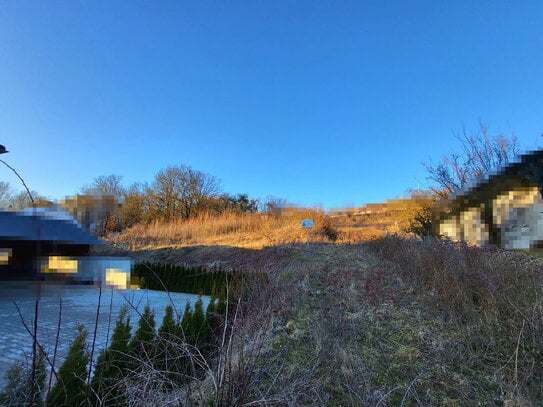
(79, 305)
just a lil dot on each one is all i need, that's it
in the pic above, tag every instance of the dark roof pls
(43, 227)
(526, 171)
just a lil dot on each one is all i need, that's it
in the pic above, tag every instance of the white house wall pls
(518, 213)
(467, 226)
(474, 229)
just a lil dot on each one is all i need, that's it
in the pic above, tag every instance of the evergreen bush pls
(113, 363)
(71, 386)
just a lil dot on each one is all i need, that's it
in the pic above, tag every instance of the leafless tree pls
(6, 193)
(272, 202)
(480, 153)
(181, 192)
(274, 205)
(109, 184)
(22, 200)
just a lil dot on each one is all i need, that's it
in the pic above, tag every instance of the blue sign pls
(307, 223)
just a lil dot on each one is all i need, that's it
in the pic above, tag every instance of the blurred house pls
(42, 244)
(96, 212)
(505, 209)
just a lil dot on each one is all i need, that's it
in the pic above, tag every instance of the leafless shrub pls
(479, 154)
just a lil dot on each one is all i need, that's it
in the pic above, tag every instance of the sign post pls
(307, 224)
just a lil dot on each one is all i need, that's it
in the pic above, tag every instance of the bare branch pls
(479, 154)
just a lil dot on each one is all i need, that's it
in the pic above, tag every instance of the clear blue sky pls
(334, 102)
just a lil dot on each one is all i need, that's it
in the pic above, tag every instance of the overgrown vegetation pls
(390, 322)
(19, 388)
(486, 309)
(397, 321)
(335, 315)
(180, 352)
(401, 321)
(253, 230)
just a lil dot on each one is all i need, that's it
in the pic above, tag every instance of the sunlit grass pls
(253, 230)
(367, 320)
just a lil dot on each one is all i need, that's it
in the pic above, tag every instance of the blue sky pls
(332, 103)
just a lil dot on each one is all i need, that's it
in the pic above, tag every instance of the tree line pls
(181, 192)
(13, 199)
(176, 193)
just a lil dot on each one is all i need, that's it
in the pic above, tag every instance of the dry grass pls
(487, 307)
(385, 322)
(253, 231)
(240, 230)
(403, 322)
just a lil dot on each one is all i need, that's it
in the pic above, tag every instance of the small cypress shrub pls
(186, 331)
(144, 335)
(71, 388)
(168, 328)
(113, 363)
(199, 328)
(168, 354)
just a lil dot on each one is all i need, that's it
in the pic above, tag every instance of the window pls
(5, 255)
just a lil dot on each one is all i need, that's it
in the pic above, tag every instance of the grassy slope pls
(389, 322)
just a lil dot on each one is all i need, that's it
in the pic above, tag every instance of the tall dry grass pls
(393, 322)
(251, 230)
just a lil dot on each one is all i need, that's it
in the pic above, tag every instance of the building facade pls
(505, 209)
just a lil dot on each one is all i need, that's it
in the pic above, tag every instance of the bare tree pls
(6, 193)
(181, 192)
(479, 154)
(136, 204)
(108, 184)
(274, 205)
(22, 200)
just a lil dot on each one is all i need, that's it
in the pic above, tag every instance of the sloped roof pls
(526, 170)
(44, 227)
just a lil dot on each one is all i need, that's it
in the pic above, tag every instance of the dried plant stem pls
(56, 345)
(516, 353)
(94, 334)
(38, 344)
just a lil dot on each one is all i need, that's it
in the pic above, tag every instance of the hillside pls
(383, 321)
(258, 230)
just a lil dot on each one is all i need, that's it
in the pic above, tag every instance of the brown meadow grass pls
(251, 230)
(369, 319)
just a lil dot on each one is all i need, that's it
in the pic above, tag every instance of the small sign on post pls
(307, 223)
